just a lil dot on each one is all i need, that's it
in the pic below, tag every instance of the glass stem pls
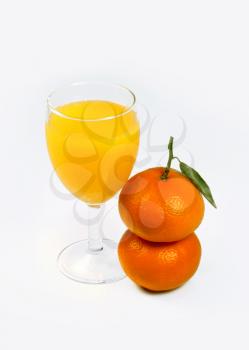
(95, 243)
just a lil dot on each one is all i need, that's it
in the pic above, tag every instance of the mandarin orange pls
(159, 266)
(161, 210)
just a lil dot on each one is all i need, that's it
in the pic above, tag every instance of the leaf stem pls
(177, 159)
(165, 174)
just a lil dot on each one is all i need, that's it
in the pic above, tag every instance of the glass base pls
(80, 264)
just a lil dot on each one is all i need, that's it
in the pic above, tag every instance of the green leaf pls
(198, 181)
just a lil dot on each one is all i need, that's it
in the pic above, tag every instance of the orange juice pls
(93, 146)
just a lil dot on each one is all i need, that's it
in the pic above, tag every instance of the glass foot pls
(80, 264)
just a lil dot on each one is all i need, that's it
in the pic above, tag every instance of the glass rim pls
(53, 109)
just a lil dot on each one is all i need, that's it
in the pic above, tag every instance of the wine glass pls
(92, 134)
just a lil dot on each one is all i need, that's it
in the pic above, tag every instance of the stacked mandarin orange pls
(162, 208)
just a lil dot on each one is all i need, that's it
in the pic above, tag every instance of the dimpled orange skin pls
(161, 210)
(159, 266)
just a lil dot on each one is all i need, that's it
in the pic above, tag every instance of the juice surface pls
(93, 147)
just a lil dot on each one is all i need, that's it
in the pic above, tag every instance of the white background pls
(181, 58)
